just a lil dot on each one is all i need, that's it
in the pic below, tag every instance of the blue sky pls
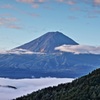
(24, 20)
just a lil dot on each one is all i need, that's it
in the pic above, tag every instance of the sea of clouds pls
(26, 86)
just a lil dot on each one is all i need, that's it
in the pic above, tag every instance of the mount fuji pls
(40, 58)
(48, 42)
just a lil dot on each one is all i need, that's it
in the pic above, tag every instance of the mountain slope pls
(84, 88)
(47, 65)
(48, 42)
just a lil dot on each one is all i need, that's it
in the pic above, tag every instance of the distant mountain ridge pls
(39, 58)
(48, 42)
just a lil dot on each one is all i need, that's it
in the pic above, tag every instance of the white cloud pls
(16, 51)
(77, 49)
(69, 2)
(97, 2)
(26, 86)
(9, 22)
(7, 6)
(19, 52)
(14, 26)
(25, 1)
(34, 3)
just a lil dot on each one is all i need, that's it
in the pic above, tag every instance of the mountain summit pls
(47, 42)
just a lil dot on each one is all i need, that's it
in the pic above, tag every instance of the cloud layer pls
(19, 52)
(77, 49)
(74, 6)
(9, 22)
(71, 2)
(34, 3)
(26, 86)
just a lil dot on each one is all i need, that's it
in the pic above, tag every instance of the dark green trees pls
(84, 88)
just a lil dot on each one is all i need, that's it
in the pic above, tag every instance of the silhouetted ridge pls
(47, 42)
(84, 88)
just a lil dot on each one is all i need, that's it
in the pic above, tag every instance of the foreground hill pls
(84, 88)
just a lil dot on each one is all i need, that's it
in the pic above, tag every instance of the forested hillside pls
(84, 88)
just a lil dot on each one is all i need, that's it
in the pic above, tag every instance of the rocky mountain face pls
(48, 42)
(39, 58)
